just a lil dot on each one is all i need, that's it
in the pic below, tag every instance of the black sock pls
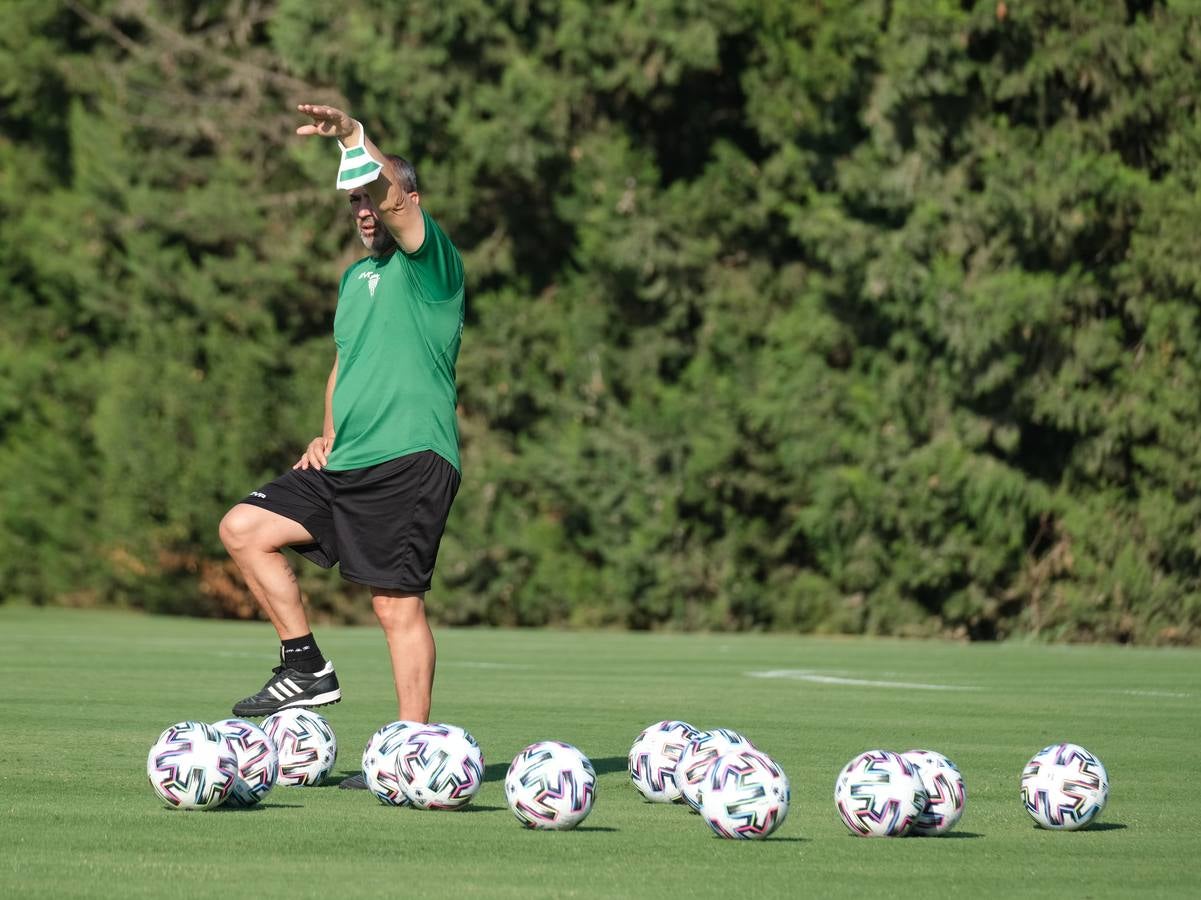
(301, 654)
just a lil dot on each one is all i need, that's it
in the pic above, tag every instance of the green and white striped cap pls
(357, 168)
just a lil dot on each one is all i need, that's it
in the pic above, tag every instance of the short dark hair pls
(405, 171)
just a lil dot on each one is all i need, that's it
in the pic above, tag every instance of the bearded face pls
(375, 237)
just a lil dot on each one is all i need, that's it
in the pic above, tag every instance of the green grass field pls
(86, 693)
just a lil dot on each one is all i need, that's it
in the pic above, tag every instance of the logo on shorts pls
(372, 280)
(258, 494)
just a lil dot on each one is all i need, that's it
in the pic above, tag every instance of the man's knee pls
(241, 529)
(399, 613)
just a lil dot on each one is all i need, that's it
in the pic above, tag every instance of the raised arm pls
(398, 208)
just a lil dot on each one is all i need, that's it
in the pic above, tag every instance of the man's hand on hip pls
(317, 453)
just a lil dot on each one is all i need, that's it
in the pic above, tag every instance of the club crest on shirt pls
(372, 280)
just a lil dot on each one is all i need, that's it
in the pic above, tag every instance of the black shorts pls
(383, 523)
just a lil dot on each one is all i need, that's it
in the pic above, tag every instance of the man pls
(373, 492)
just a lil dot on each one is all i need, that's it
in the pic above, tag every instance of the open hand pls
(328, 121)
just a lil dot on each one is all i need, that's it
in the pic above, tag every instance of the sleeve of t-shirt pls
(437, 263)
(342, 281)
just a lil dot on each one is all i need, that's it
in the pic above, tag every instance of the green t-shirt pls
(397, 328)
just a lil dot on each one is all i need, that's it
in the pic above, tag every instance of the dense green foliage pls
(856, 316)
(86, 824)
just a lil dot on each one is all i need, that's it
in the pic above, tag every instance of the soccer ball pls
(306, 745)
(550, 786)
(745, 796)
(192, 766)
(698, 757)
(946, 795)
(258, 761)
(379, 762)
(439, 767)
(879, 793)
(653, 758)
(1064, 787)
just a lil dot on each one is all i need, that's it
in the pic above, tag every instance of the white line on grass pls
(807, 675)
(1154, 693)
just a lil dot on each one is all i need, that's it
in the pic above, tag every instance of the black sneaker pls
(353, 783)
(288, 688)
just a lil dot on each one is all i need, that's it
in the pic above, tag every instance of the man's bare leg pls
(411, 645)
(254, 537)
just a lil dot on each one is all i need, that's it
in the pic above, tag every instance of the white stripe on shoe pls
(319, 700)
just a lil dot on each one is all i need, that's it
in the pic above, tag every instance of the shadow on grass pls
(1096, 826)
(256, 807)
(413, 811)
(768, 840)
(959, 834)
(603, 766)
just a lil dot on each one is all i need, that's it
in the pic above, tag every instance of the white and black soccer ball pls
(439, 766)
(698, 758)
(192, 766)
(946, 794)
(654, 756)
(746, 795)
(258, 761)
(380, 759)
(879, 793)
(305, 743)
(550, 786)
(1064, 787)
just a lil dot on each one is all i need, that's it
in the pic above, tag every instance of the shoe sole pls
(327, 699)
